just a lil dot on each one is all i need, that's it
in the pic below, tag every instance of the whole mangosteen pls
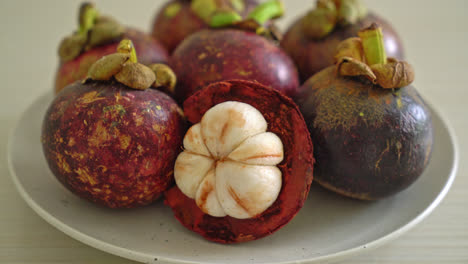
(247, 163)
(98, 36)
(371, 129)
(236, 52)
(111, 140)
(178, 19)
(312, 40)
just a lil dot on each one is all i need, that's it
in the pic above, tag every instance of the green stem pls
(373, 45)
(126, 46)
(225, 18)
(87, 18)
(204, 9)
(266, 11)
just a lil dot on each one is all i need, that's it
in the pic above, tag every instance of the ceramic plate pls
(328, 228)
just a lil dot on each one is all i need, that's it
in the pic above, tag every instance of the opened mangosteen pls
(244, 50)
(247, 163)
(372, 131)
(97, 36)
(110, 139)
(178, 19)
(312, 40)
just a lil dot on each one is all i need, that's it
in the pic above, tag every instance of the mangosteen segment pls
(279, 149)
(240, 177)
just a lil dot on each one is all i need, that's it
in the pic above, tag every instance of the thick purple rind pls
(210, 56)
(113, 145)
(369, 142)
(285, 120)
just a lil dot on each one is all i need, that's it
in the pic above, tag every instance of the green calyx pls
(204, 9)
(225, 18)
(126, 47)
(94, 30)
(226, 13)
(373, 45)
(123, 67)
(365, 56)
(267, 11)
(330, 14)
(87, 18)
(172, 10)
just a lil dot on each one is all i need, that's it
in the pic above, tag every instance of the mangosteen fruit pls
(371, 129)
(311, 41)
(111, 140)
(235, 52)
(247, 163)
(97, 36)
(178, 19)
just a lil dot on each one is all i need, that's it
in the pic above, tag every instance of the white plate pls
(328, 228)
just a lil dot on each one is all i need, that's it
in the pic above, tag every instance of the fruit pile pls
(213, 116)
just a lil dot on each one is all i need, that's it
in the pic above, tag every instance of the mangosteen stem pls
(373, 45)
(267, 11)
(87, 18)
(126, 47)
(204, 9)
(224, 18)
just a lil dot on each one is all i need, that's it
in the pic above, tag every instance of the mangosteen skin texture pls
(148, 51)
(210, 56)
(170, 31)
(285, 120)
(113, 145)
(369, 142)
(312, 56)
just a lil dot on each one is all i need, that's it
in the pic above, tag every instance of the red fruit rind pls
(113, 145)
(285, 120)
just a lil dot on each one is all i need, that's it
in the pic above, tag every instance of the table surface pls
(435, 37)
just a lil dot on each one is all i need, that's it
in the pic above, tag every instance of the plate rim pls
(146, 258)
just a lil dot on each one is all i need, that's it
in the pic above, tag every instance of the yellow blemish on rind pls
(62, 164)
(71, 142)
(399, 103)
(157, 128)
(202, 56)
(125, 141)
(244, 73)
(90, 97)
(117, 96)
(138, 119)
(387, 149)
(100, 135)
(83, 176)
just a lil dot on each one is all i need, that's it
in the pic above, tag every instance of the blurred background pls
(435, 37)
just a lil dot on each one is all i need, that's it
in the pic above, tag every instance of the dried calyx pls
(229, 163)
(330, 14)
(220, 14)
(123, 66)
(365, 56)
(94, 30)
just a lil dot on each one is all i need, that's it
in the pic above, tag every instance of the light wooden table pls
(436, 40)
